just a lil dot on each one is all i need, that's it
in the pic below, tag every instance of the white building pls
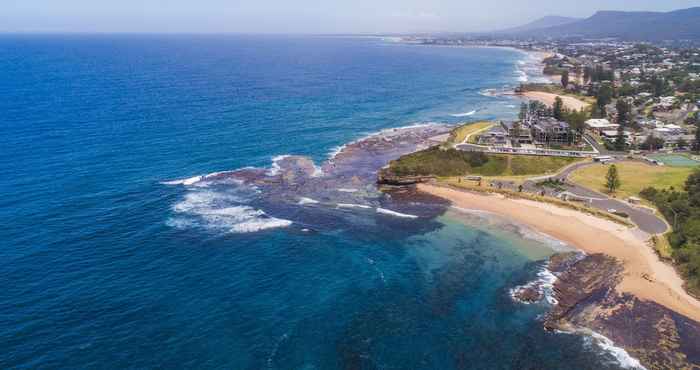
(599, 125)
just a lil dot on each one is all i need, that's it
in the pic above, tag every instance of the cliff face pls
(585, 290)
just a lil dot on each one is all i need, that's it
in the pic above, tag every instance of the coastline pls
(645, 275)
(549, 98)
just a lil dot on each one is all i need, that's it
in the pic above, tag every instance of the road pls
(643, 217)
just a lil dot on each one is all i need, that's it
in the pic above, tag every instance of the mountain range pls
(650, 26)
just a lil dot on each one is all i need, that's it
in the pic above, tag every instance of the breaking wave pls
(543, 284)
(306, 201)
(394, 213)
(471, 113)
(607, 346)
(221, 211)
(349, 205)
(275, 168)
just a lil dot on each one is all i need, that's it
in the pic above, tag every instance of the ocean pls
(125, 246)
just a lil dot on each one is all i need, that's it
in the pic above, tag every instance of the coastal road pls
(643, 217)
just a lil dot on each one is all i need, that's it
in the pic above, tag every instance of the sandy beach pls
(548, 99)
(645, 276)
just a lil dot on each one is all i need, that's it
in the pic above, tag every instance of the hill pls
(651, 26)
(544, 22)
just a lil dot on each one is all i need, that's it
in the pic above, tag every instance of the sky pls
(298, 16)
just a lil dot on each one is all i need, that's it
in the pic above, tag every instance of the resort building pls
(550, 131)
(518, 132)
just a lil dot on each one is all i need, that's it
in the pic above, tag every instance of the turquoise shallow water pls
(100, 270)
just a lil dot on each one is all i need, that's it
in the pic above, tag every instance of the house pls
(665, 104)
(496, 135)
(518, 132)
(598, 125)
(611, 135)
(552, 131)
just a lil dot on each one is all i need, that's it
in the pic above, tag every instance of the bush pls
(682, 210)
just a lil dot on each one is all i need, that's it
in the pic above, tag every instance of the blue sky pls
(300, 16)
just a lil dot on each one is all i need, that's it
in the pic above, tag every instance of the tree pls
(620, 140)
(565, 79)
(681, 144)
(696, 142)
(523, 111)
(587, 75)
(653, 143)
(612, 179)
(658, 85)
(604, 97)
(558, 109)
(623, 112)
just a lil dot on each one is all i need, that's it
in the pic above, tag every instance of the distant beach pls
(549, 98)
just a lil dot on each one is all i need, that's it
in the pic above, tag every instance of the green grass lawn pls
(634, 177)
(446, 163)
(458, 135)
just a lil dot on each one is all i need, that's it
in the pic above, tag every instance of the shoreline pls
(549, 98)
(645, 275)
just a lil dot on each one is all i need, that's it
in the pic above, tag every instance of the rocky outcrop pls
(658, 337)
(386, 177)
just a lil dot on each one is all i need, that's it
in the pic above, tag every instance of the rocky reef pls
(586, 298)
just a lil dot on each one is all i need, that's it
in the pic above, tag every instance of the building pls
(611, 135)
(550, 131)
(518, 132)
(496, 135)
(598, 125)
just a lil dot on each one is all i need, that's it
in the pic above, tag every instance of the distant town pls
(642, 98)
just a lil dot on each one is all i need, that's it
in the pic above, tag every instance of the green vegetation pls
(451, 162)
(635, 177)
(612, 179)
(458, 135)
(682, 210)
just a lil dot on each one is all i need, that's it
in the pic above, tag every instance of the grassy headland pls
(469, 130)
(451, 162)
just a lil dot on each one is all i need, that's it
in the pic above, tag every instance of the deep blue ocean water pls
(98, 271)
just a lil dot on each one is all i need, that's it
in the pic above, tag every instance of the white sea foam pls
(275, 168)
(544, 284)
(522, 76)
(195, 180)
(220, 211)
(306, 201)
(318, 171)
(464, 114)
(350, 205)
(620, 356)
(186, 182)
(394, 213)
(348, 190)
